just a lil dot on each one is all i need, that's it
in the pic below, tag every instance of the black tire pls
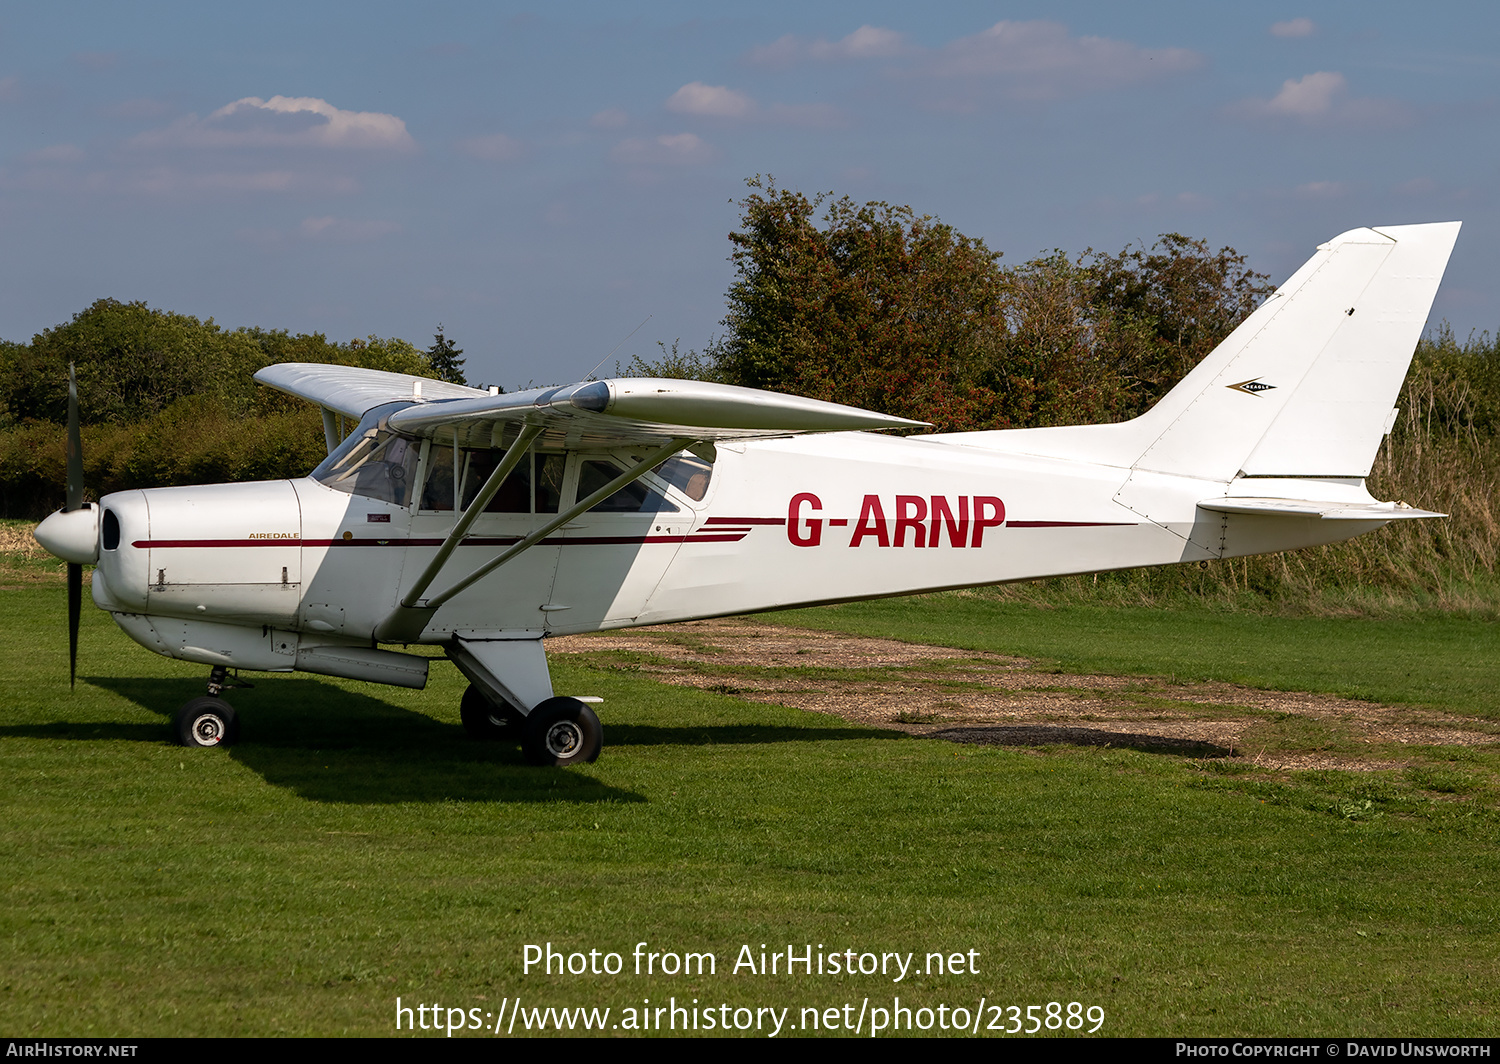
(206, 722)
(484, 720)
(562, 731)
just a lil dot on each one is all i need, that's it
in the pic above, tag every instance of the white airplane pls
(483, 523)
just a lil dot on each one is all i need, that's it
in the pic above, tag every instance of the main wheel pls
(562, 731)
(207, 722)
(485, 720)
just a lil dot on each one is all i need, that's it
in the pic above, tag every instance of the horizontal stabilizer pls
(1328, 511)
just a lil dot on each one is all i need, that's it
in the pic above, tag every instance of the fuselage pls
(296, 564)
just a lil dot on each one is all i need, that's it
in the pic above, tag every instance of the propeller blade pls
(74, 502)
(75, 448)
(75, 609)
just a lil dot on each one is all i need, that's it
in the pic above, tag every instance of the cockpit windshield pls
(373, 462)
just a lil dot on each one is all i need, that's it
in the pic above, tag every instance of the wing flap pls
(1327, 511)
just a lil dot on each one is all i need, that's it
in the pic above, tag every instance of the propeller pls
(72, 533)
(74, 502)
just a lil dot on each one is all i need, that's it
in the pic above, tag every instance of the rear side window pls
(688, 474)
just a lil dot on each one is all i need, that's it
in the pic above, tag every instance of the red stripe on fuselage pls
(1070, 524)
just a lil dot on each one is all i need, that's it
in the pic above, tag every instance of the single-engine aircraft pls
(483, 523)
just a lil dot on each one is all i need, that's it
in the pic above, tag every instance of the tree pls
(1179, 300)
(444, 358)
(877, 308)
(881, 308)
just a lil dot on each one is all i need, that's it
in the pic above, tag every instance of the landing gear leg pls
(511, 674)
(209, 721)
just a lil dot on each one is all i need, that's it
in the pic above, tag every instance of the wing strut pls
(331, 434)
(512, 458)
(406, 622)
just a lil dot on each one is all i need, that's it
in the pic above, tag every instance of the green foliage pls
(675, 364)
(1164, 310)
(165, 399)
(442, 356)
(197, 440)
(878, 307)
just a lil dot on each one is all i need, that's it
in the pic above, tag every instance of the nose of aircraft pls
(72, 535)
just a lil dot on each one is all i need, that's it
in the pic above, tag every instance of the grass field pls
(355, 847)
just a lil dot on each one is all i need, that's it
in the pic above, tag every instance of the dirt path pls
(974, 697)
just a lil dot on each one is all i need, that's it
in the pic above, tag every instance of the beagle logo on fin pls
(1251, 387)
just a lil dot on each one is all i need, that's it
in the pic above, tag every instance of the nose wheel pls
(206, 722)
(209, 721)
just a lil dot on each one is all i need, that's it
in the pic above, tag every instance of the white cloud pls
(494, 147)
(720, 101)
(669, 149)
(1322, 190)
(717, 101)
(867, 42)
(10, 89)
(284, 121)
(1294, 27)
(1308, 96)
(610, 118)
(1322, 98)
(1040, 60)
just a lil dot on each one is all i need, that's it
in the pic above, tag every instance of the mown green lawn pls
(355, 847)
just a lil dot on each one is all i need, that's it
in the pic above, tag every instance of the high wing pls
(603, 413)
(350, 390)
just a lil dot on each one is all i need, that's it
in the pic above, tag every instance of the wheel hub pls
(564, 738)
(208, 729)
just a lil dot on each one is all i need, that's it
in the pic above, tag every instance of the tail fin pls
(1303, 388)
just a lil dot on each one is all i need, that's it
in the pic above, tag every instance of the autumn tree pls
(1176, 301)
(876, 307)
(879, 307)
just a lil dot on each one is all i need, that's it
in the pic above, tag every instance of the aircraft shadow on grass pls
(735, 734)
(328, 744)
(1054, 735)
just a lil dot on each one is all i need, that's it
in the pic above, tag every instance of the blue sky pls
(541, 179)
